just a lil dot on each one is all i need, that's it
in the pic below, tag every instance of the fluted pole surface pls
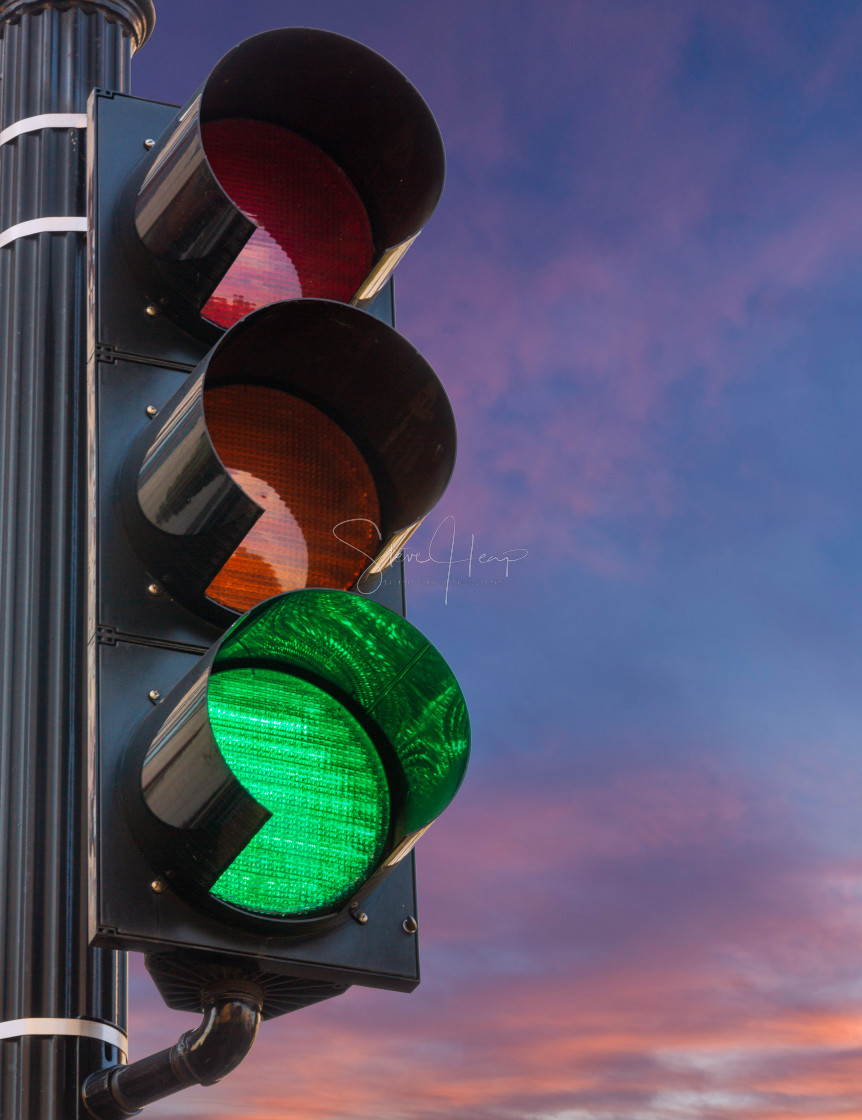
(53, 53)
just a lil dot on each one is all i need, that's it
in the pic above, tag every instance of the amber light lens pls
(313, 237)
(309, 477)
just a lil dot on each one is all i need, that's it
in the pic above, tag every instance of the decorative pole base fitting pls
(137, 16)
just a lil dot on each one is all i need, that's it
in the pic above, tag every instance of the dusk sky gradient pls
(643, 292)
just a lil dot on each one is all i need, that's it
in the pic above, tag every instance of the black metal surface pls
(189, 813)
(190, 816)
(201, 1057)
(142, 361)
(181, 977)
(185, 232)
(351, 103)
(367, 378)
(184, 513)
(124, 604)
(134, 916)
(51, 56)
(121, 324)
(135, 18)
(148, 642)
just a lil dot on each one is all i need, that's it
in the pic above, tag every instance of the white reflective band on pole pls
(43, 225)
(44, 120)
(83, 1028)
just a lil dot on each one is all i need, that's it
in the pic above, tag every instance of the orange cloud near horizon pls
(733, 1000)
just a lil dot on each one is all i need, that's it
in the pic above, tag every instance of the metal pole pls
(62, 1004)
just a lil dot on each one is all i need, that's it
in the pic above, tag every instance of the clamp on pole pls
(81, 1028)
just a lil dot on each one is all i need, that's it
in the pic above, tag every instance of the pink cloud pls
(668, 247)
(553, 984)
(547, 1048)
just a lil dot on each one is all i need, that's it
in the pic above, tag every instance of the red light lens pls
(313, 237)
(308, 476)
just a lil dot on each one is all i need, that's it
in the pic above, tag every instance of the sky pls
(642, 290)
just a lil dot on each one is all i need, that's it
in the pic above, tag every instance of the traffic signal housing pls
(305, 166)
(308, 444)
(297, 763)
(271, 736)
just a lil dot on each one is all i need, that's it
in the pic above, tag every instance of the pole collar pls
(138, 17)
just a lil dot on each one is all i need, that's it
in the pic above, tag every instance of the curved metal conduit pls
(201, 1057)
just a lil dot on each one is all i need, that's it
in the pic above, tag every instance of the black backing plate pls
(148, 642)
(121, 125)
(133, 916)
(124, 604)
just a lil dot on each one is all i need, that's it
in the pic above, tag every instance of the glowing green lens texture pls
(305, 758)
(387, 667)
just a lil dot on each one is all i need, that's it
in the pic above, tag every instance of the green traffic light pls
(304, 757)
(342, 721)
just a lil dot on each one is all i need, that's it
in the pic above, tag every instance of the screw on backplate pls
(148, 143)
(152, 310)
(410, 925)
(158, 885)
(154, 589)
(359, 915)
(154, 695)
(152, 411)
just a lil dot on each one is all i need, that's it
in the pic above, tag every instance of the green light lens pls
(387, 667)
(306, 759)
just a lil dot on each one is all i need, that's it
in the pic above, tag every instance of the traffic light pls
(298, 761)
(272, 736)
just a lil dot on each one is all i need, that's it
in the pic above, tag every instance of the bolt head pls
(154, 695)
(410, 925)
(149, 142)
(158, 886)
(152, 310)
(154, 589)
(359, 916)
(152, 411)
